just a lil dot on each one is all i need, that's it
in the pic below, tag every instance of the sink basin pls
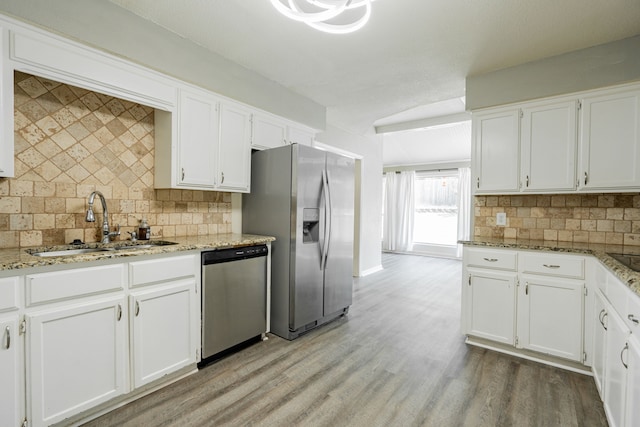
(118, 247)
(69, 252)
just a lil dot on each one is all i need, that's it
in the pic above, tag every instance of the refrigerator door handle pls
(325, 222)
(329, 222)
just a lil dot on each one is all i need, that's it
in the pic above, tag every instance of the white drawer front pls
(553, 265)
(160, 270)
(491, 258)
(9, 294)
(47, 287)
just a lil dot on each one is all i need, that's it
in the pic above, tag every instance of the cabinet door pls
(163, 321)
(235, 148)
(76, 358)
(632, 417)
(610, 141)
(599, 341)
(497, 151)
(615, 375)
(198, 139)
(549, 141)
(299, 136)
(267, 132)
(550, 316)
(490, 305)
(6, 112)
(11, 373)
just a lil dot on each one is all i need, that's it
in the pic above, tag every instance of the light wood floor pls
(397, 359)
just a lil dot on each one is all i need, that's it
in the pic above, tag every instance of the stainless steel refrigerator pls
(304, 197)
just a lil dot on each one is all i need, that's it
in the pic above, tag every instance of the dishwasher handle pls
(233, 254)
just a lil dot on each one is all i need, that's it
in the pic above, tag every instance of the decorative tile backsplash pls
(70, 142)
(583, 218)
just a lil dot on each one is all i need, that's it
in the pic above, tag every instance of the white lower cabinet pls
(632, 410)
(527, 300)
(599, 340)
(615, 375)
(11, 372)
(76, 358)
(161, 323)
(550, 316)
(491, 305)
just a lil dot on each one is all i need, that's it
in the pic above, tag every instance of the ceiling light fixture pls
(330, 16)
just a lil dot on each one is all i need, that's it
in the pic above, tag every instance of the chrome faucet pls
(106, 230)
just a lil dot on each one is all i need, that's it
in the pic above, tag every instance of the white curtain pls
(399, 203)
(464, 206)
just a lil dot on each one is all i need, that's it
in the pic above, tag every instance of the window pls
(436, 208)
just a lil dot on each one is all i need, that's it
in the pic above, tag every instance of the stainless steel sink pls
(71, 250)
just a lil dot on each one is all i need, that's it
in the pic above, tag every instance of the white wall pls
(103, 25)
(591, 68)
(370, 225)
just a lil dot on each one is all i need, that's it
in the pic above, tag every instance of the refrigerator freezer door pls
(306, 292)
(338, 280)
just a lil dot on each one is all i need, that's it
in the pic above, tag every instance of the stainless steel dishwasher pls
(234, 298)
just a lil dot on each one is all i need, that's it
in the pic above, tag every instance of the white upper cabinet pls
(234, 155)
(198, 133)
(267, 132)
(610, 141)
(296, 135)
(547, 147)
(497, 150)
(549, 143)
(6, 111)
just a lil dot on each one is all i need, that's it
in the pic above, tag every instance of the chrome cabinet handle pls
(601, 317)
(222, 180)
(551, 265)
(119, 312)
(626, 347)
(478, 183)
(183, 174)
(527, 180)
(633, 319)
(137, 308)
(7, 338)
(490, 259)
(526, 289)
(586, 178)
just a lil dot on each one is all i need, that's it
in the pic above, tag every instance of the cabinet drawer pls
(553, 265)
(47, 287)
(160, 270)
(9, 294)
(488, 258)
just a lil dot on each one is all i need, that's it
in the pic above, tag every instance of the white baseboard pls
(372, 270)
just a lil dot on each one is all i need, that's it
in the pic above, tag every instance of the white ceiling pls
(410, 54)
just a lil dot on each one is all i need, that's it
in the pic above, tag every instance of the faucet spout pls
(106, 230)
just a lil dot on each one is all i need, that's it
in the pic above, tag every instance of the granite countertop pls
(18, 258)
(628, 276)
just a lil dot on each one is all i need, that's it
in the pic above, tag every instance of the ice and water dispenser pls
(310, 225)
